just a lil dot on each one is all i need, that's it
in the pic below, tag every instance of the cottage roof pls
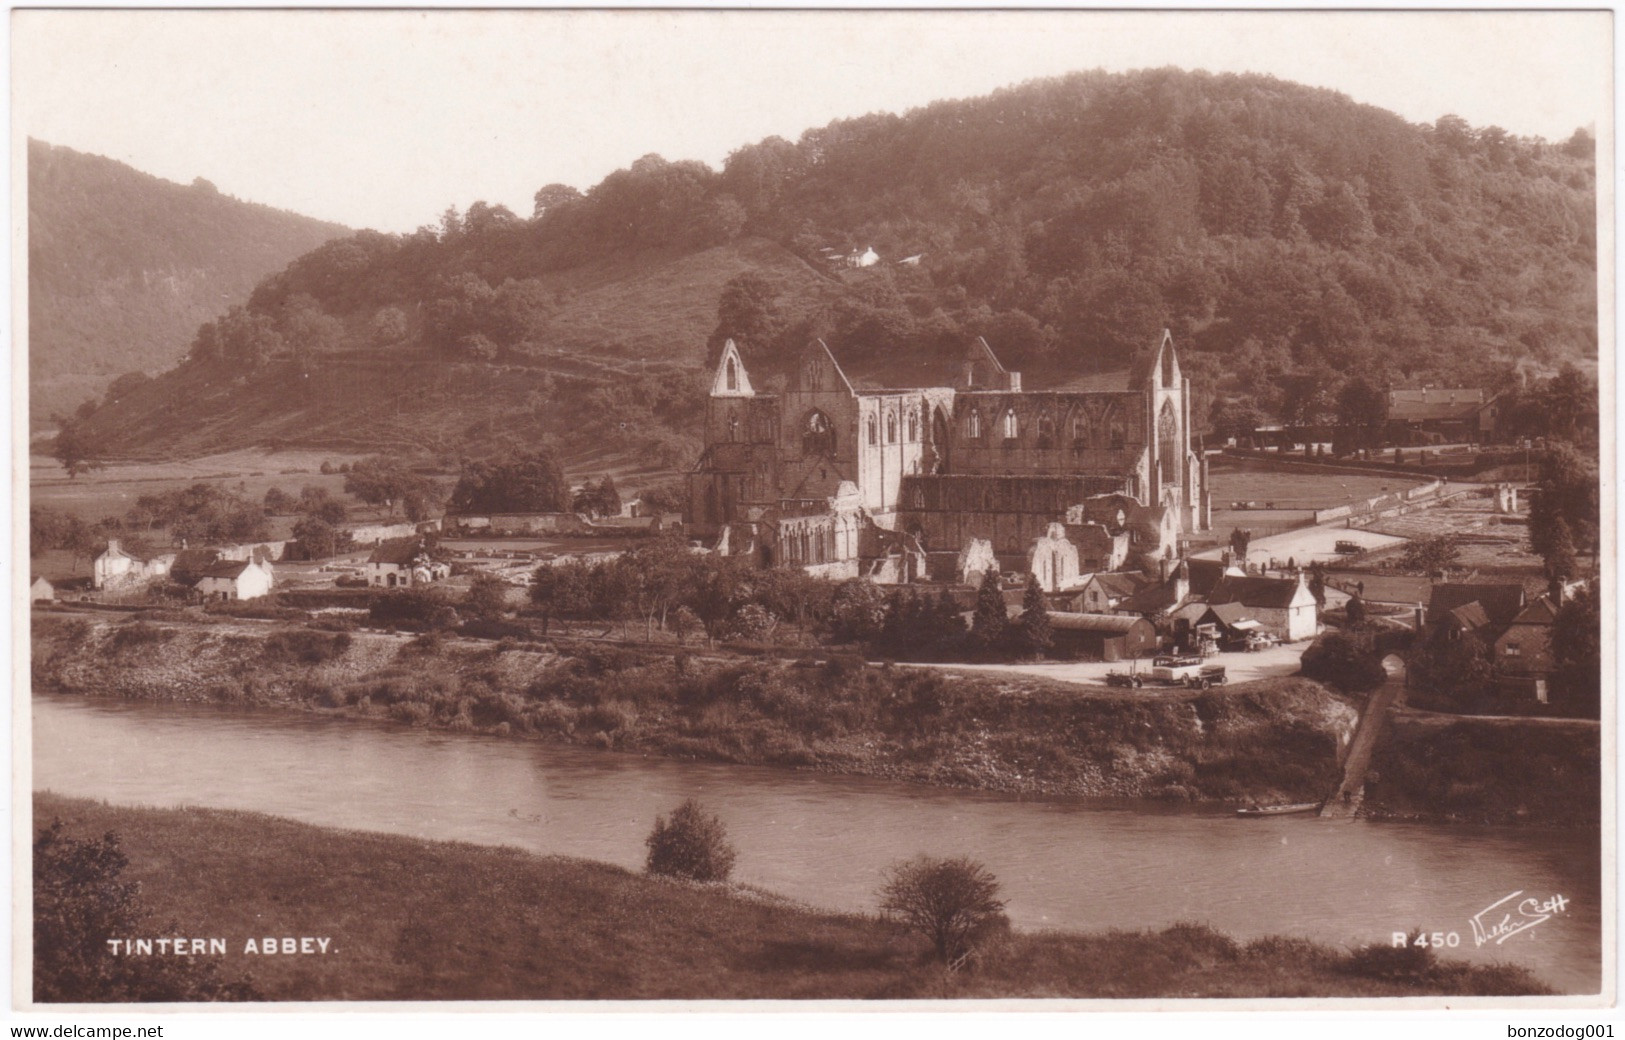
(1541, 612)
(193, 562)
(1501, 603)
(1153, 599)
(1274, 593)
(1469, 616)
(401, 552)
(1121, 583)
(1205, 574)
(227, 569)
(1230, 613)
(1113, 624)
(1424, 405)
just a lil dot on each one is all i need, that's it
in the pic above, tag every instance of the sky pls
(383, 119)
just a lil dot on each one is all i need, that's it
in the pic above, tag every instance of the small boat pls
(1278, 810)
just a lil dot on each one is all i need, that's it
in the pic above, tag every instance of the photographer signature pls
(1499, 922)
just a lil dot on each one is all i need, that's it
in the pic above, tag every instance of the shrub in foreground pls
(953, 903)
(692, 843)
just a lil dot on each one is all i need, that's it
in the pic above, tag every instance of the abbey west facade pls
(900, 484)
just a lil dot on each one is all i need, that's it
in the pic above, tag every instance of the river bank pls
(1259, 742)
(408, 919)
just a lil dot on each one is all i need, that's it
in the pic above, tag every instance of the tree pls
(486, 599)
(80, 902)
(1577, 653)
(1034, 632)
(517, 481)
(75, 449)
(1561, 564)
(318, 539)
(858, 610)
(553, 198)
(1347, 659)
(1568, 490)
(1432, 556)
(389, 326)
(559, 589)
(381, 480)
(1355, 612)
(990, 620)
(1239, 540)
(953, 903)
(692, 844)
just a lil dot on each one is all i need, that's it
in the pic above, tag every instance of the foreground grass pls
(426, 920)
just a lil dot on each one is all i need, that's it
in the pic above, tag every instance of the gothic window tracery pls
(817, 435)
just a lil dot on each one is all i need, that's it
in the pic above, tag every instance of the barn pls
(1103, 637)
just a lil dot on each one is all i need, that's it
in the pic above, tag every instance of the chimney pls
(1557, 591)
(113, 547)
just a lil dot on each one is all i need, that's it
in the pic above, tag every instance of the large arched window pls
(973, 425)
(1012, 426)
(891, 429)
(817, 434)
(733, 374)
(1080, 430)
(1117, 436)
(913, 427)
(1046, 432)
(874, 430)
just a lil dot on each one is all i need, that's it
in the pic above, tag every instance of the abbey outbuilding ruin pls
(943, 482)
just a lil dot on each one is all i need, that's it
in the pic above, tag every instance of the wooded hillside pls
(1290, 238)
(123, 267)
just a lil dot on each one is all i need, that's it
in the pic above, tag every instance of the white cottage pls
(1283, 606)
(398, 564)
(113, 566)
(234, 580)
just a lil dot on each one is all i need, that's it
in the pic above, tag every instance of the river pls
(825, 839)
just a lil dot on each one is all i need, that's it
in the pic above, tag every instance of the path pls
(1345, 801)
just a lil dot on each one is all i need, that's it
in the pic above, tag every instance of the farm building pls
(41, 591)
(1103, 637)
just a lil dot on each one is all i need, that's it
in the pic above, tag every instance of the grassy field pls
(112, 491)
(418, 920)
(1239, 482)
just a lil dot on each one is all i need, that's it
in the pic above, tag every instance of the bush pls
(415, 607)
(304, 646)
(953, 903)
(691, 844)
(81, 901)
(1381, 961)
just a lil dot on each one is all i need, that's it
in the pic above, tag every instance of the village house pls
(1524, 651)
(1460, 609)
(113, 566)
(402, 563)
(40, 590)
(1104, 592)
(234, 580)
(1283, 607)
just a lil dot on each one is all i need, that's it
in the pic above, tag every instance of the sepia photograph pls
(915, 509)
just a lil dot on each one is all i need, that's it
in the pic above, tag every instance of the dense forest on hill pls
(1292, 239)
(123, 266)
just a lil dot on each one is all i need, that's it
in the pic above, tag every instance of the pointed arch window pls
(891, 429)
(1080, 430)
(733, 374)
(1046, 432)
(817, 434)
(1012, 426)
(913, 427)
(733, 427)
(874, 430)
(973, 425)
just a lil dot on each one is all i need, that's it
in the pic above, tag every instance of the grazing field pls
(1237, 482)
(113, 490)
(422, 920)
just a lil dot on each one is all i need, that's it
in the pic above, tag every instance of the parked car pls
(1261, 641)
(1347, 547)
